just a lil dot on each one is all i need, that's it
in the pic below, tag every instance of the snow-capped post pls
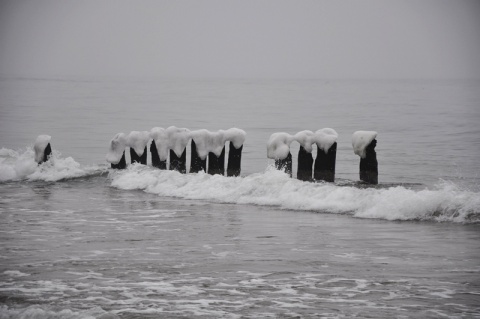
(216, 154)
(324, 168)
(305, 159)
(364, 143)
(199, 150)
(159, 147)
(156, 161)
(42, 148)
(237, 138)
(197, 164)
(116, 152)
(137, 141)
(178, 139)
(216, 164)
(278, 148)
(178, 163)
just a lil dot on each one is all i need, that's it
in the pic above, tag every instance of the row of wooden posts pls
(320, 169)
(323, 167)
(216, 164)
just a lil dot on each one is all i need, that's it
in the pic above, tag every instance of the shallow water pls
(79, 240)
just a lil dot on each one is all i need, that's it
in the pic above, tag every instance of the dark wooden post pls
(135, 158)
(178, 163)
(216, 165)
(305, 163)
(46, 154)
(156, 162)
(369, 165)
(122, 164)
(234, 160)
(285, 164)
(196, 163)
(325, 164)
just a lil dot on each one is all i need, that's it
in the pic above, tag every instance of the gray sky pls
(222, 38)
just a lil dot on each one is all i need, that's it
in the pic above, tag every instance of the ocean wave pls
(446, 202)
(21, 165)
(40, 312)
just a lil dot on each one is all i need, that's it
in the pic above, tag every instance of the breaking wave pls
(20, 165)
(39, 312)
(446, 202)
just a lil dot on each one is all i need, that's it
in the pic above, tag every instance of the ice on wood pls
(306, 139)
(236, 136)
(160, 137)
(178, 139)
(360, 141)
(40, 144)
(117, 147)
(138, 141)
(325, 138)
(278, 146)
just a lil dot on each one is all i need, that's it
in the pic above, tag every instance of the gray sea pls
(80, 240)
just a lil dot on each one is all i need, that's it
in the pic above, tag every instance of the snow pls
(207, 142)
(178, 139)
(360, 141)
(214, 142)
(201, 138)
(138, 140)
(306, 139)
(278, 146)
(40, 144)
(160, 136)
(117, 146)
(236, 136)
(325, 138)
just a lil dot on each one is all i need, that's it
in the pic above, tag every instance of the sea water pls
(79, 240)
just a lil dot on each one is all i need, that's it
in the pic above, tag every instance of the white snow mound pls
(325, 138)
(306, 139)
(117, 147)
(360, 141)
(138, 140)
(160, 137)
(278, 146)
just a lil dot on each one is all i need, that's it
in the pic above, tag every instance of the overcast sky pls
(262, 38)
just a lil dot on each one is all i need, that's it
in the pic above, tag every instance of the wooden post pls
(196, 163)
(285, 164)
(325, 164)
(156, 162)
(369, 165)
(234, 160)
(216, 165)
(178, 163)
(305, 163)
(120, 165)
(134, 158)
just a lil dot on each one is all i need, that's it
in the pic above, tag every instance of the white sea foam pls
(21, 165)
(41, 312)
(274, 188)
(40, 144)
